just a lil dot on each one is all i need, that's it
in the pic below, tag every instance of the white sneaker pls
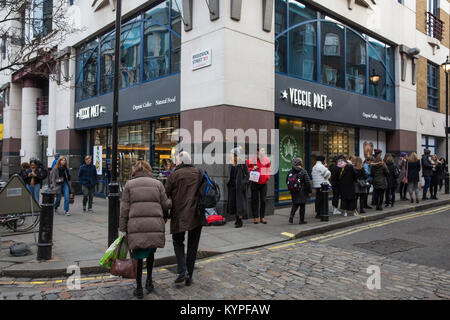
(356, 213)
(67, 213)
(336, 211)
(345, 214)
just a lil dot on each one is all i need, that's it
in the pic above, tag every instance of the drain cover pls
(389, 246)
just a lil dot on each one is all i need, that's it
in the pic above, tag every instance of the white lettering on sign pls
(90, 112)
(308, 99)
(157, 102)
(201, 59)
(376, 117)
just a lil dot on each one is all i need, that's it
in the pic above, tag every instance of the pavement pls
(81, 239)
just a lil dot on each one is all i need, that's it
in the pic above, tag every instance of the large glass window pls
(305, 38)
(333, 58)
(160, 44)
(356, 62)
(130, 54)
(433, 89)
(89, 74)
(377, 68)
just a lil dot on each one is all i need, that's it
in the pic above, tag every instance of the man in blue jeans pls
(427, 172)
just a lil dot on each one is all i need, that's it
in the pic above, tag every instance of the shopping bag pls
(254, 176)
(123, 267)
(111, 252)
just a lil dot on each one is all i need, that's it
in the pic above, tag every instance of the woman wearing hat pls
(402, 166)
(237, 187)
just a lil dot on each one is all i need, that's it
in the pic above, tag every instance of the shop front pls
(148, 120)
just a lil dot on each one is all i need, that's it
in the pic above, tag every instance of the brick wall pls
(422, 85)
(421, 9)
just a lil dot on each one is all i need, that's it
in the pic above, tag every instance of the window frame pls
(430, 86)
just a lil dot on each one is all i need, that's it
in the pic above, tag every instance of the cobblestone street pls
(299, 269)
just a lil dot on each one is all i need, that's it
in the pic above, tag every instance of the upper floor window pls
(316, 47)
(433, 88)
(150, 49)
(41, 18)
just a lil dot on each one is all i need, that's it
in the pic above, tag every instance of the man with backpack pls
(182, 186)
(300, 187)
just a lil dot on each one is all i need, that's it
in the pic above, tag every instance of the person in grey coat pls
(299, 197)
(237, 187)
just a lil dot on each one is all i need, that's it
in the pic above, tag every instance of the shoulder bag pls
(125, 268)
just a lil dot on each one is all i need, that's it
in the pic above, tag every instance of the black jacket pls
(438, 173)
(360, 175)
(300, 197)
(426, 166)
(334, 179)
(391, 179)
(413, 171)
(237, 191)
(41, 175)
(347, 182)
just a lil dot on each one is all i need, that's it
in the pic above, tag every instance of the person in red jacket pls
(261, 164)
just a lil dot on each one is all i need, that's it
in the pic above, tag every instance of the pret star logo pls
(99, 4)
(284, 94)
(289, 148)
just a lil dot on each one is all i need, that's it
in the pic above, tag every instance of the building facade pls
(334, 77)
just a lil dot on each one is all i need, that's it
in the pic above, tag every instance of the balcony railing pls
(42, 106)
(435, 26)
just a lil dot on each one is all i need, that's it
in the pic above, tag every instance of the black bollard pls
(113, 212)
(324, 201)
(45, 241)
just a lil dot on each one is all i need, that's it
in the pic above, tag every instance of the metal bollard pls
(324, 202)
(446, 186)
(113, 212)
(45, 241)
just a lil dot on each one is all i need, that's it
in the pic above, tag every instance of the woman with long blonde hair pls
(413, 169)
(60, 184)
(360, 185)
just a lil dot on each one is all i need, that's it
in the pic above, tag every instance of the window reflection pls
(376, 67)
(356, 62)
(333, 54)
(130, 54)
(89, 77)
(107, 64)
(303, 51)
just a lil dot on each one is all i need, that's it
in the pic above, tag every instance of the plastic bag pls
(110, 253)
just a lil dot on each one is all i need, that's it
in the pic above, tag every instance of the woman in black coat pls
(436, 177)
(299, 197)
(237, 188)
(413, 169)
(391, 179)
(346, 186)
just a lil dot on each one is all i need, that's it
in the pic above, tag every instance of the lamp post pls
(113, 195)
(446, 66)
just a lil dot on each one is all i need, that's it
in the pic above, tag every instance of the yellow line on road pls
(289, 235)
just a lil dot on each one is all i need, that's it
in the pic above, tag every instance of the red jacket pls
(263, 168)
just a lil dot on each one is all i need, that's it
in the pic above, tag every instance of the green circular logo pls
(289, 148)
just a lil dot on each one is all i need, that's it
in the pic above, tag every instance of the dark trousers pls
(379, 194)
(88, 196)
(374, 201)
(426, 186)
(362, 201)
(302, 211)
(317, 201)
(150, 260)
(186, 263)
(390, 196)
(335, 200)
(403, 190)
(434, 189)
(259, 193)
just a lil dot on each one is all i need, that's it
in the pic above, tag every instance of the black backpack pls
(208, 191)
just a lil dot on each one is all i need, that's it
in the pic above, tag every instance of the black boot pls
(149, 285)
(238, 223)
(139, 292)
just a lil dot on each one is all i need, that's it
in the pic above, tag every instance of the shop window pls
(159, 14)
(356, 62)
(292, 145)
(89, 75)
(280, 16)
(390, 72)
(281, 54)
(164, 144)
(377, 89)
(130, 54)
(156, 51)
(298, 13)
(433, 88)
(303, 52)
(429, 143)
(175, 39)
(333, 54)
(107, 64)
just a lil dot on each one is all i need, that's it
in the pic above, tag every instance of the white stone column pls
(52, 102)
(12, 113)
(30, 139)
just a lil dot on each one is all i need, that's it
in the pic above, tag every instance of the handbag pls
(125, 268)
(405, 179)
(59, 181)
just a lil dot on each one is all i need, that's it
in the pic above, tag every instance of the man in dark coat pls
(87, 176)
(347, 180)
(182, 188)
(427, 172)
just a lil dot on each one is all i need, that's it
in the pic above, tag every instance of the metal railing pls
(435, 26)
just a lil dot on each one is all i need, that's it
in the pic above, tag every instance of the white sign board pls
(201, 59)
(98, 159)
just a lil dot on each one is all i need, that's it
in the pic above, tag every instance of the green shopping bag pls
(110, 254)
